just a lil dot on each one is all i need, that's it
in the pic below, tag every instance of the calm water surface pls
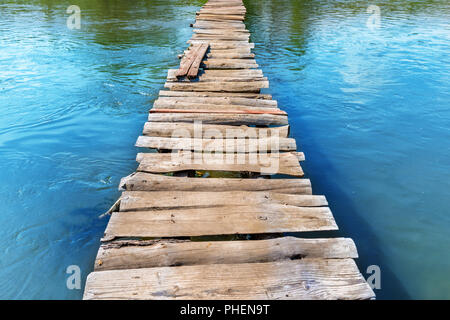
(370, 108)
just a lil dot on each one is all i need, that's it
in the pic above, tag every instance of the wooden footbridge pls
(205, 216)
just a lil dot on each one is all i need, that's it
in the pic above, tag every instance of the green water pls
(370, 107)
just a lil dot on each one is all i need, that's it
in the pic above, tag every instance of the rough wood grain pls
(231, 64)
(223, 75)
(234, 55)
(179, 129)
(142, 181)
(218, 25)
(208, 78)
(187, 61)
(202, 221)
(214, 144)
(128, 254)
(219, 108)
(213, 31)
(230, 37)
(223, 86)
(199, 54)
(251, 95)
(219, 17)
(306, 279)
(260, 103)
(224, 45)
(217, 118)
(157, 200)
(282, 163)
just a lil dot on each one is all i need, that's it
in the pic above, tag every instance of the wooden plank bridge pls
(180, 230)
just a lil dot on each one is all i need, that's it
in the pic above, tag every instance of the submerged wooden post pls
(215, 119)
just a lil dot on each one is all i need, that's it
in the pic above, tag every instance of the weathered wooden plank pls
(227, 3)
(231, 219)
(223, 45)
(256, 73)
(223, 10)
(200, 53)
(222, 86)
(221, 31)
(220, 5)
(229, 110)
(129, 254)
(157, 200)
(214, 107)
(230, 64)
(177, 129)
(187, 61)
(223, 75)
(230, 37)
(203, 78)
(214, 144)
(206, 94)
(142, 181)
(217, 118)
(306, 279)
(219, 17)
(232, 50)
(218, 25)
(282, 163)
(170, 101)
(236, 55)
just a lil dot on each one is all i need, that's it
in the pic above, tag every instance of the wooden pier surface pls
(219, 185)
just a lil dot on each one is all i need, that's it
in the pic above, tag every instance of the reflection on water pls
(370, 108)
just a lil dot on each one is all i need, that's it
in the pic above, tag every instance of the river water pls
(368, 102)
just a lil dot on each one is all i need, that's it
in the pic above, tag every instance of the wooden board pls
(223, 10)
(260, 103)
(218, 25)
(306, 279)
(179, 129)
(187, 61)
(217, 118)
(224, 45)
(200, 53)
(158, 200)
(283, 163)
(220, 37)
(231, 64)
(254, 86)
(208, 78)
(234, 55)
(210, 220)
(218, 108)
(223, 75)
(142, 181)
(131, 254)
(251, 95)
(219, 17)
(212, 143)
(222, 31)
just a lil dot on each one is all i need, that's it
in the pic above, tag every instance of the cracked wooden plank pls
(143, 181)
(306, 279)
(282, 163)
(132, 254)
(200, 220)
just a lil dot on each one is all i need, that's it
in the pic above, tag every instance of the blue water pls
(369, 107)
